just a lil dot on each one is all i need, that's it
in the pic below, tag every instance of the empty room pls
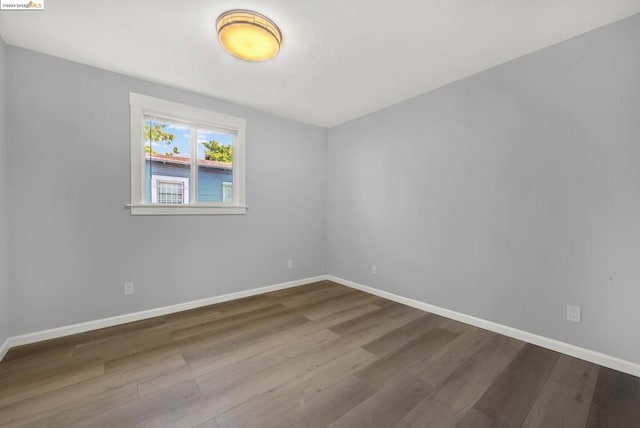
(278, 214)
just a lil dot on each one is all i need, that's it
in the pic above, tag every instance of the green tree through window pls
(158, 134)
(218, 152)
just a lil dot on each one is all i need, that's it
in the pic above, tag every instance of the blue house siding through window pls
(210, 179)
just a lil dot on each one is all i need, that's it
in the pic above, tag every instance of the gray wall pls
(73, 245)
(506, 195)
(4, 206)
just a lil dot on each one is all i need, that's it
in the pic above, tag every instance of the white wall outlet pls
(374, 269)
(128, 288)
(289, 264)
(574, 313)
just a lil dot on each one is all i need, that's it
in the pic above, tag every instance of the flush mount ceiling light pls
(248, 35)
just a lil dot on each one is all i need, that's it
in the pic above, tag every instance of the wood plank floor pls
(320, 355)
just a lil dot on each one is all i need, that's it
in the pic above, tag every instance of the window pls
(169, 190)
(185, 160)
(227, 191)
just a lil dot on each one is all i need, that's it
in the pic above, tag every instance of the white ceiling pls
(340, 59)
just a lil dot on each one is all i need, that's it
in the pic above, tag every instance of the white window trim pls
(170, 179)
(142, 105)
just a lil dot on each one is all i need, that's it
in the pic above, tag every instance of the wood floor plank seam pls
(320, 355)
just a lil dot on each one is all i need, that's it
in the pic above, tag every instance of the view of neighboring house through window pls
(184, 163)
(227, 191)
(169, 190)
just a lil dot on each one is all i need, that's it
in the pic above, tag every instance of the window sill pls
(156, 209)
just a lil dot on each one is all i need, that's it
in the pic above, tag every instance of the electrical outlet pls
(128, 288)
(374, 269)
(574, 313)
(289, 264)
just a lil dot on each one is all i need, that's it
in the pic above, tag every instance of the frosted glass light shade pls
(248, 35)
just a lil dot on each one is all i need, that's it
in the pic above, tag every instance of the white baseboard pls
(4, 348)
(544, 342)
(54, 333)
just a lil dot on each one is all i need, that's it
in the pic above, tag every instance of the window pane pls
(167, 155)
(215, 166)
